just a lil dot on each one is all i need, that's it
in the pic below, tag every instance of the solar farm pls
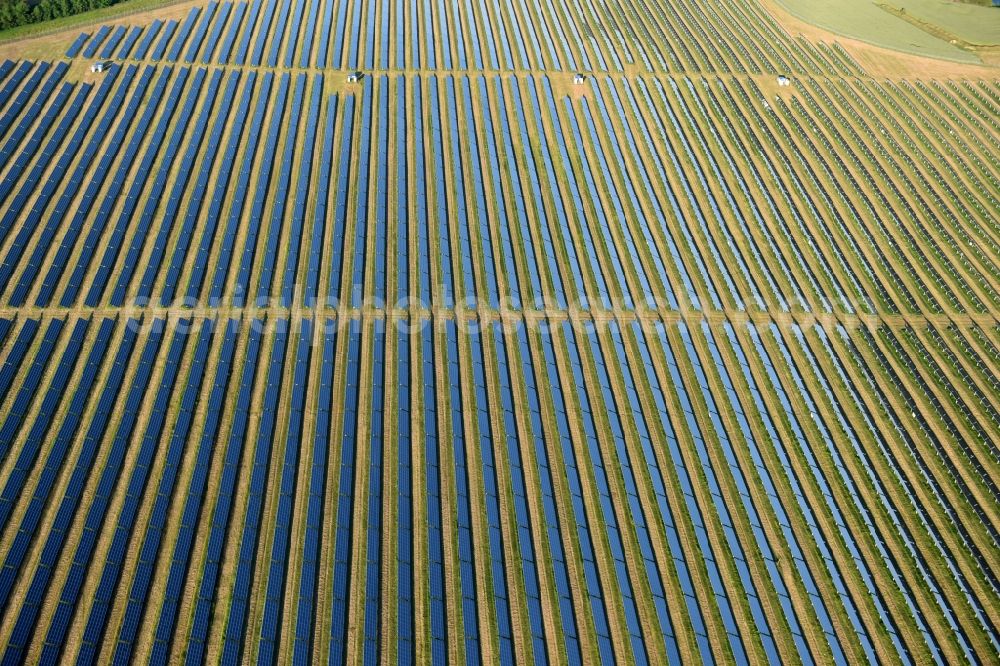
(495, 331)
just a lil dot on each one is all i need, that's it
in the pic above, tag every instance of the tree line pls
(21, 12)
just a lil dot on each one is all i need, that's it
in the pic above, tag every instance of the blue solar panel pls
(31, 445)
(199, 34)
(340, 207)
(689, 193)
(126, 519)
(380, 285)
(274, 601)
(211, 154)
(820, 540)
(514, 167)
(307, 36)
(156, 526)
(263, 31)
(89, 154)
(432, 483)
(607, 512)
(192, 509)
(323, 40)
(446, 296)
(439, 35)
(624, 250)
(861, 506)
(361, 181)
(736, 641)
(6, 67)
(878, 481)
(345, 495)
(236, 626)
(55, 105)
(113, 40)
(211, 40)
(461, 215)
(91, 49)
(281, 24)
(302, 193)
(256, 215)
(276, 226)
(117, 184)
(492, 494)
(128, 43)
(560, 207)
(74, 48)
(747, 275)
(665, 230)
(67, 507)
(421, 194)
(147, 39)
(370, 28)
(598, 606)
(404, 505)
(314, 512)
(225, 52)
(475, 40)
(31, 114)
(823, 481)
(321, 196)
(659, 487)
(630, 188)
(425, 37)
(414, 33)
(602, 216)
(373, 624)
(482, 206)
(400, 34)
(295, 30)
(221, 516)
(239, 55)
(19, 407)
(354, 44)
(161, 46)
(551, 515)
(16, 75)
(27, 617)
(493, 167)
(470, 620)
(16, 251)
(5, 326)
(182, 35)
(764, 269)
(14, 107)
(223, 190)
(155, 194)
(402, 200)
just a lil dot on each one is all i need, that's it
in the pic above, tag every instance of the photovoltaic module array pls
(564, 334)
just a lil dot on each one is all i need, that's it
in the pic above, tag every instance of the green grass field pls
(870, 21)
(975, 24)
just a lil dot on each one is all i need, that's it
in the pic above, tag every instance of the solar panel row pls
(595, 396)
(547, 36)
(602, 266)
